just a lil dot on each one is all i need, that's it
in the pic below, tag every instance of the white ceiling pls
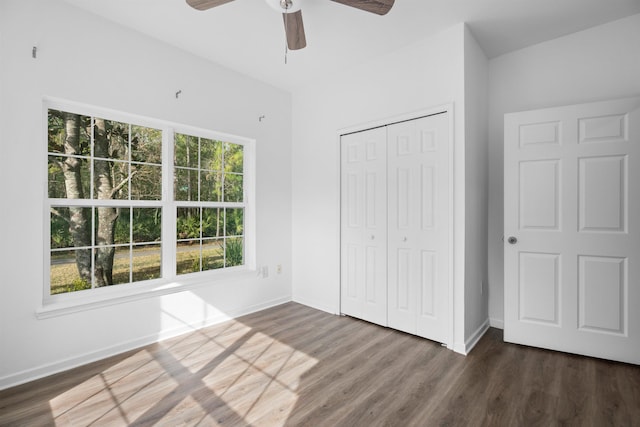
(248, 35)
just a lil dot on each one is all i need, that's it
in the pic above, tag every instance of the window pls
(209, 195)
(134, 201)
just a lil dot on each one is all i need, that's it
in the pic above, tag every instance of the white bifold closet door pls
(364, 225)
(395, 226)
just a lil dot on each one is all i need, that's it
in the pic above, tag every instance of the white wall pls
(596, 64)
(87, 59)
(476, 86)
(425, 74)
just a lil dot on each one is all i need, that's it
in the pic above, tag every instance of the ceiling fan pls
(292, 15)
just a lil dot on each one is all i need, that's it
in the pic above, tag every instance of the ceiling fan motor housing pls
(287, 6)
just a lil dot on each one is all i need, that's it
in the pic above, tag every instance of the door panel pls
(602, 285)
(572, 201)
(539, 285)
(602, 193)
(364, 226)
(539, 194)
(419, 226)
(428, 283)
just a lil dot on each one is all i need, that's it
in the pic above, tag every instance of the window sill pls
(104, 297)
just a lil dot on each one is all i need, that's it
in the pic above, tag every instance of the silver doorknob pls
(404, 239)
(512, 240)
(373, 237)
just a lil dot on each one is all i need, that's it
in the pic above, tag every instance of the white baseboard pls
(477, 335)
(468, 345)
(496, 323)
(459, 348)
(313, 304)
(73, 362)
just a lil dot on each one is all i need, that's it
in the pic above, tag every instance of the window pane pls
(210, 186)
(212, 224)
(75, 185)
(103, 258)
(111, 180)
(146, 182)
(67, 133)
(212, 254)
(188, 257)
(55, 178)
(186, 151)
(234, 222)
(233, 158)
(234, 252)
(63, 273)
(120, 268)
(146, 144)
(122, 226)
(233, 190)
(56, 131)
(210, 154)
(186, 184)
(146, 262)
(188, 223)
(104, 226)
(70, 227)
(112, 141)
(147, 225)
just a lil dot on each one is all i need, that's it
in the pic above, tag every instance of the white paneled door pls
(572, 229)
(364, 225)
(419, 225)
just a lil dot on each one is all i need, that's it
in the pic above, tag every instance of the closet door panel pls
(364, 226)
(404, 203)
(418, 234)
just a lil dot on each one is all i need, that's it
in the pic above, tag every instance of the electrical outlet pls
(279, 269)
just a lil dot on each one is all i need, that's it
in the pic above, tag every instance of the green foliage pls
(188, 223)
(233, 189)
(122, 226)
(77, 285)
(210, 154)
(60, 236)
(234, 218)
(146, 144)
(219, 167)
(57, 134)
(234, 252)
(185, 150)
(212, 222)
(147, 224)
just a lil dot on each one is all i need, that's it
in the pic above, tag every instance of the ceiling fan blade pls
(206, 4)
(379, 7)
(294, 28)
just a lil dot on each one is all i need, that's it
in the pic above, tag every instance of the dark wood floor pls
(295, 366)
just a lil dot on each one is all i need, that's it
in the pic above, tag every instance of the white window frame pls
(53, 305)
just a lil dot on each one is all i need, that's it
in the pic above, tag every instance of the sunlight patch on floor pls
(236, 375)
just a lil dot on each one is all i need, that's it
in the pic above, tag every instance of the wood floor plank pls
(292, 365)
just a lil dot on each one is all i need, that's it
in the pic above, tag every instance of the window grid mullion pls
(169, 244)
(91, 197)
